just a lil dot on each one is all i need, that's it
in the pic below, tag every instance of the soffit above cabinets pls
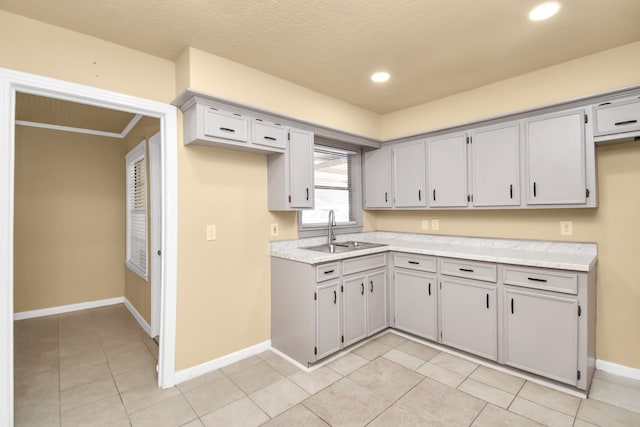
(432, 48)
(40, 111)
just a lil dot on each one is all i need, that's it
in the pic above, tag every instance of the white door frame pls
(12, 81)
(155, 197)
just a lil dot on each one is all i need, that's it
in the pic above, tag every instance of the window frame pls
(354, 226)
(137, 154)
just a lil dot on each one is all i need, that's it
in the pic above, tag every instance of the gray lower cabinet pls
(416, 303)
(541, 334)
(364, 306)
(468, 316)
(327, 310)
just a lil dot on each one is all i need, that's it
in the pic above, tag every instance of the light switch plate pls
(275, 230)
(435, 224)
(211, 232)
(425, 224)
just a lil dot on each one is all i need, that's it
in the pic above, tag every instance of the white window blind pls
(334, 187)
(137, 211)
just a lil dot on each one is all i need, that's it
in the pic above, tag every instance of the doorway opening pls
(13, 85)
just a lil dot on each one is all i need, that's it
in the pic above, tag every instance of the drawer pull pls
(270, 138)
(626, 122)
(371, 290)
(429, 288)
(511, 305)
(414, 262)
(335, 297)
(466, 270)
(329, 271)
(535, 279)
(362, 291)
(487, 301)
(228, 130)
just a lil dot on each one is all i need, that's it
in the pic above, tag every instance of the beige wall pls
(136, 289)
(69, 218)
(38, 48)
(607, 70)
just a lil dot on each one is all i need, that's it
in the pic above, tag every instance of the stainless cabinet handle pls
(228, 130)
(626, 122)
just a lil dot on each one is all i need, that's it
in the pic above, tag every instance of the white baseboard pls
(143, 323)
(210, 366)
(621, 370)
(67, 308)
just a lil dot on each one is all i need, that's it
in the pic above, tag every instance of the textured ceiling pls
(38, 109)
(432, 48)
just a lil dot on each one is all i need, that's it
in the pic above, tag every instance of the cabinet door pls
(409, 175)
(301, 168)
(377, 179)
(469, 317)
(495, 165)
(541, 334)
(376, 302)
(327, 319)
(447, 166)
(354, 309)
(416, 303)
(555, 156)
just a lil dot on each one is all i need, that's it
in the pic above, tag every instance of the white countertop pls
(535, 253)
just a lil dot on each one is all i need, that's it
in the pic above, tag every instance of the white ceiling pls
(432, 48)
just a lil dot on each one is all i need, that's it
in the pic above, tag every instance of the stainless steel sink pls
(343, 247)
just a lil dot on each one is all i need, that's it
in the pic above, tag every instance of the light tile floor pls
(97, 367)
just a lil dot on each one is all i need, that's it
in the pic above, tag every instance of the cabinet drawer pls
(268, 134)
(223, 124)
(484, 271)
(618, 117)
(542, 278)
(415, 262)
(327, 271)
(363, 263)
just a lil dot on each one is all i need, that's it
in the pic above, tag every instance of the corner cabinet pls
(555, 153)
(377, 178)
(290, 174)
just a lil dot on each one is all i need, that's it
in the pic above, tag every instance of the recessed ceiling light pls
(544, 11)
(380, 76)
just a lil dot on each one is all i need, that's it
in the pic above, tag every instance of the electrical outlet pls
(566, 228)
(425, 224)
(211, 232)
(435, 224)
(275, 230)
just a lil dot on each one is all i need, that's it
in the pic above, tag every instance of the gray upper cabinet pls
(290, 174)
(378, 179)
(409, 175)
(447, 171)
(616, 117)
(541, 334)
(555, 159)
(495, 165)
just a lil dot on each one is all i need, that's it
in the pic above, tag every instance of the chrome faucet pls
(332, 223)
